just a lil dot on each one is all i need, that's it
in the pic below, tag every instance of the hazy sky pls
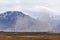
(54, 4)
(31, 5)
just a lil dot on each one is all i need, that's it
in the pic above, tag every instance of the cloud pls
(44, 14)
(38, 8)
(36, 11)
(53, 4)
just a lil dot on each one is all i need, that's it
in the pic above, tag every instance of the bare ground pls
(29, 36)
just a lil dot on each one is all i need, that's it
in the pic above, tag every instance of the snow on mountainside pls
(8, 19)
(15, 21)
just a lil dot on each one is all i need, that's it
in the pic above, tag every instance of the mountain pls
(56, 22)
(8, 19)
(15, 21)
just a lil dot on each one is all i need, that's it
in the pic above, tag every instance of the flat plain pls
(29, 36)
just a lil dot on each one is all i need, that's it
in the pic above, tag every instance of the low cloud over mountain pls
(15, 21)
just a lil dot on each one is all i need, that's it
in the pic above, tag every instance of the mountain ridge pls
(15, 21)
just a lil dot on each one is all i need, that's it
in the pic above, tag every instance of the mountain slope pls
(15, 21)
(56, 22)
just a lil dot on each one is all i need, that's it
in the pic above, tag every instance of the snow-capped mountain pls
(8, 19)
(15, 21)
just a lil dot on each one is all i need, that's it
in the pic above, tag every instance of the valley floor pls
(29, 36)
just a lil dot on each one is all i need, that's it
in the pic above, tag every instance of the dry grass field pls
(28, 36)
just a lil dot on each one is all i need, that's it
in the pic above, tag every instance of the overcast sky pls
(31, 5)
(54, 4)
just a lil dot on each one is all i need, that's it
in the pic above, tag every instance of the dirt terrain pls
(29, 36)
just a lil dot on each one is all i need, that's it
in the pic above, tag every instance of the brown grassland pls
(29, 36)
